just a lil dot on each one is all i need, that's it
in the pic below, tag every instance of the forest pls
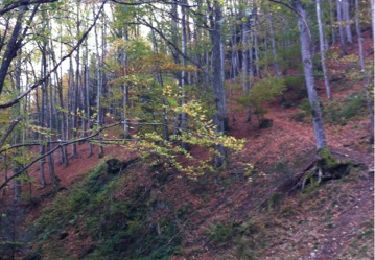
(187, 129)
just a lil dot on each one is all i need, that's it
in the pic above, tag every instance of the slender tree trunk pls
(347, 19)
(41, 114)
(256, 52)
(87, 99)
(340, 21)
(99, 88)
(245, 32)
(322, 50)
(317, 117)
(372, 3)
(361, 56)
(183, 117)
(123, 61)
(273, 42)
(76, 88)
(331, 19)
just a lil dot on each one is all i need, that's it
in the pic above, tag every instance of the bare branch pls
(48, 75)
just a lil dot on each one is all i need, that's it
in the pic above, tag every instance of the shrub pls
(264, 90)
(222, 232)
(340, 112)
(290, 58)
(295, 90)
(296, 84)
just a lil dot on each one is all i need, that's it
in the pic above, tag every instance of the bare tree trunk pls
(361, 56)
(372, 2)
(87, 99)
(41, 113)
(183, 117)
(317, 117)
(245, 32)
(256, 52)
(76, 88)
(331, 19)
(99, 87)
(346, 14)
(273, 42)
(60, 100)
(123, 61)
(322, 50)
(340, 21)
(217, 83)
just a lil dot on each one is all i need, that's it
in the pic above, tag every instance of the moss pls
(327, 161)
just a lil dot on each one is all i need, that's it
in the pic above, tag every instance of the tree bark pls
(273, 42)
(340, 21)
(346, 13)
(361, 57)
(305, 40)
(322, 49)
(217, 83)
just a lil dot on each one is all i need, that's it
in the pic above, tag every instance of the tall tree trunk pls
(245, 33)
(99, 87)
(256, 53)
(340, 21)
(76, 87)
(87, 99)
(182, 116)
(217, 83)
(317, 117)
(372, 3)
(331, 19)
(273, 42)
(361, 56)
(346, 13)
(322, 49)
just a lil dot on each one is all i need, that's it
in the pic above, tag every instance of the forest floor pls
(235, 215)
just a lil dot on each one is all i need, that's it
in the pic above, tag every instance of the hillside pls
(210, 130)
(149, 211)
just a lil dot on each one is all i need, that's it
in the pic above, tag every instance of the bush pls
(340, 112)
(223, 232)
(264, 90)
(290, 58)
(295, 90)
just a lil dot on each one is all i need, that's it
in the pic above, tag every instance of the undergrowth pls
(117, 228)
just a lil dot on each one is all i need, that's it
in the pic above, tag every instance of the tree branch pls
(27, 166)
(48, 75)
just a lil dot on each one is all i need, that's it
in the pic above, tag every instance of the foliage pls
(340, 112)
(202, 132)
(119, 228)
(222, 232)
(264, 90)
(296, 88)
(290, 58)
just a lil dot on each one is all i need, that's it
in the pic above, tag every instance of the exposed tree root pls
(320, 169)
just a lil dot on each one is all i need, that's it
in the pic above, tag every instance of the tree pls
(305, 41)
(322, 49)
